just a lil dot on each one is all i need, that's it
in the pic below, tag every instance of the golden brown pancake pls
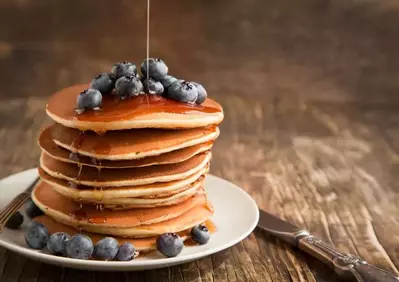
(47, 144)
(123, 177)
(128, 144)
(148, 191)
(47, 199)
(143, 111)
(141, 244)
(136, 223)
(101, 196)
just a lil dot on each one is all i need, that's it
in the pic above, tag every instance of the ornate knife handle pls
(345, 265)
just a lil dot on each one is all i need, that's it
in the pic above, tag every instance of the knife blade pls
(346, 266)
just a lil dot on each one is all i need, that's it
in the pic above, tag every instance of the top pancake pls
(143, 111)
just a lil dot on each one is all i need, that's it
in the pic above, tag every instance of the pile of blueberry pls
(127, 83)
(78, 246)
(81, 246)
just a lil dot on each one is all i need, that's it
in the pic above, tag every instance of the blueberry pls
(57, 243)
(168, 80)
(124, 69)
(89, 99)
(32, 210)
(126, 252)
(36, 235)
(201, 93)
(200, 234)
(157, 69)
(106, 249)
(103, 82)
(183, 91)
(128, 86)
(79, 247)
(152, 87)
(15, 221)
(169, 244)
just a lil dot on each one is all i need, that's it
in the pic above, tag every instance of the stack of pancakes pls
(133, 169)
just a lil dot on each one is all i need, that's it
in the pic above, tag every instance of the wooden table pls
(311, 116)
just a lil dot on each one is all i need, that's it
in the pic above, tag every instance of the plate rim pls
(134, 264)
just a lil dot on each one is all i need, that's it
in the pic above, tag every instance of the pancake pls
(47, 144)
(134, 223)
(141, 244)
(128, 144)
(123, 203)
(149, 190)
(143, 111)
(123, 177)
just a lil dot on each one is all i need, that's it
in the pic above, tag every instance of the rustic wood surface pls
(311, 124)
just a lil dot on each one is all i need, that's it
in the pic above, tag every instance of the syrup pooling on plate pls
(63, 104)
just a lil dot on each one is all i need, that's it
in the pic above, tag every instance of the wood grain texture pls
(311, 126)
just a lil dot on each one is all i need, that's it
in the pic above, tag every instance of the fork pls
(16, 204)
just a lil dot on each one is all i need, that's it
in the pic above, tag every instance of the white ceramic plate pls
(236, 215)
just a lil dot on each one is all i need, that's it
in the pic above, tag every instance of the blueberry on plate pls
(56, 243)
(106, 249)
(104, 82)
(36, 235)
(183, 91)
(157, 69)
(124, 69)
(32, 210)
(201, 93)
(128, 86)
(89, 99)
(169, 244)
(15, 221)
(79, 247)
(152, 87)
(200, 234)
(126, 252)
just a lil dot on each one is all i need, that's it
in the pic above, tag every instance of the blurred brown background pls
(337, 50)
(311, 129)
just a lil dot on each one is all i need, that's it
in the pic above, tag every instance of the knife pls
(346, 266)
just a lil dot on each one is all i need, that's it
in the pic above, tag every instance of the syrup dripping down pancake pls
(130, 223)
(96, 196)
(128, 144)
(123, 177)
(47, 144)
(82, 192)
(143, 111)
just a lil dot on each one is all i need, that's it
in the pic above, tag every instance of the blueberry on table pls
(32, 210)
(168, 80)
(36, 235)
(124, 69)
(79, 247)
(157, 69)
(89, 99)
(169, 244)
(15, 221)
(152, 87)
(106, 249)
(104, 82)
(56, 243)
(128, 86)
(183, 91)
(126, 252)
(200, 234)
(201, 93)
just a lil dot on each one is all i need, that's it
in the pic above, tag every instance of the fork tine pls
(10, 211)
(16, 204)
